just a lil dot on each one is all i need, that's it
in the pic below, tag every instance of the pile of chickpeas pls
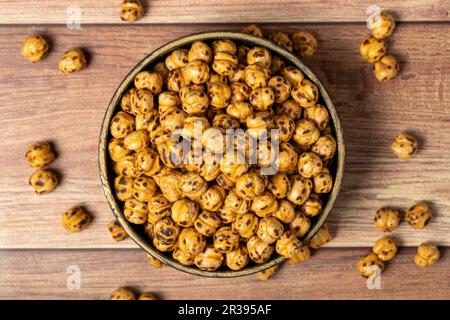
(207, 207)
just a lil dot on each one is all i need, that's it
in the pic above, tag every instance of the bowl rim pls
(157, 55)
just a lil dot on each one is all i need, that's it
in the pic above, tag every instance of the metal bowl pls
(156, 56)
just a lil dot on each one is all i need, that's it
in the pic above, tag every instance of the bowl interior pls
(136, 232)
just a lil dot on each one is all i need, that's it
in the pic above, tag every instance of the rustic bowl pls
(158, 55)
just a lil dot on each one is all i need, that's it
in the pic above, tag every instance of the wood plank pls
(219, 11)
(330, 274)
(39, 103)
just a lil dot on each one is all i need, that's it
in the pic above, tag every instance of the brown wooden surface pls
(331, 274)
(39, 103)
(220, 11)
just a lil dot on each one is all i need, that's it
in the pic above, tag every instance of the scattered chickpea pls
(75, 220)
(366, 266)
(386, 219)
(427, 255)
(40, 155)
(43, 181)
(418, 216)
(305, 44)
(35, 48)
(385, 248)
(131, 10)
(118, 233)
(73, 60)
(123, 294)
(404, 146)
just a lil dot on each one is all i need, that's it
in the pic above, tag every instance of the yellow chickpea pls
(306, 133)
(321, 237)
(386, 219)
(368, 264)
(382, 25)
(73, 60)
(293, 74)
(312, 206)
(117, 231)
(300, 189)
(131, 10)
(385, 248)
(404, 146)
(245, 225)
(418, 216)
(282, 39)
(270, 229)
(305, 94)
(185, 212)
(386, 69)
(123, 294)
(325, 147)
(237, 259)
(285, 212)
(40, 155)
(427, 255)
(135, 211)
(259, 55)
(43, 181)
(372, 49)
(200, 51)
(258, 250)
(265, 204)
(75, 220)
(253, 30)
(35, 48)
(207, 223)
(304, 43)
(300, 225)
(150, 80)
(267, 273)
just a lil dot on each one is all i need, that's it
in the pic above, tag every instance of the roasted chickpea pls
(256, 76)
(306, 94)
(303, 254)
(250, 185)
(320, 238)
(149, 230)
(144, 188)
(40, 155)
(236, 203)
(200, 51)
(210, 259)
(372, 49)
(217, 78)
(265, 204)
(123, 187)
(259, 55)
(285, 212)
(212, 199)
(427, 255)
(123, 293)
(196, 72)
(290, 108)
(135, 211)
(404, 146)
(177, 59)
(183, 257)
(155, 263)
(418, 216)
(258, 123)
(226, 240)
(309, 164)
(281, 88)
(172, 120)
(169, 185)
(233, 165)
(141, 101)
(282, 39)
(225, 121)
(122, 124)
(241, 54)
(287, 158)
(131, 11)
(209, 169)
(161, 68)
(227, 46)
(225, 182)
(148, 162)
(381, 25)
(158, 207)
(75, 220)
(237, 259)
(193, 126)
(270, 229)
(43, 181)
(304, 43)
(194, 101)
(245, 225)
(166, 234)
(219, 95)
(125, 103)
(288, 245)
(167, 100)
(240, 111)
(319, 114)
(147, 296)
(368, 264)
(267, 273)
(150, 80)
(306, 133)
(277, 65)
(253, 30)
(34, 48)
(385, 248)
(207, 223)
(72, 61)
(300, 225)
(214, 140)
(386, 219)
(240, 92)
(262, 98)
(117, 149)
(136, 140)
(226, 215)
(171, 152)
(312, 206)
(238, 75)
(325, 147)
(176, 81)
(192, 185)
(185, 212)
(225, 63)
(258, 250)
(285, 126)
(386, 69)
(279, 185)
(117, 231)
(126, 166)
(294, 75)
(300, 189)
(191, 242)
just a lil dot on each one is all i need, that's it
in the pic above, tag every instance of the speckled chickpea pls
(75, 220)
(313, 206)
(372, 49)
(123, 294)
(382, 25)
(148, 296)
(304, 43)
(225, 64)
(270, 229)
(207, 223)
(287, 158)
(167, 100)
(226, 215)
(309, 164)
(323, 181)
(226, 240)
(183, 257)
(293, 75)
(238, 75)
(126, 166)
(122, 124)
(427, 255)
(418, 216)
(404, 146)
(116, 149)
(265, 204)
(303, 254)
(40, 155)
(285, 212)
(306, 133)
(72, 61)
(240, 92)
(282, 39)
(288, 245)
(319, 114)
(123, 187)
(212, 199)
(196, 72)
(233, 165)
(256, 76)
(240, 110)
(194, 101)
(209, 169)
(225, 121)
(268, 273)
(169, 185)
(241, 54)
(191, 242)
(322, 237)
(177, 59)
(325, 147)
(150, 80)
(258, 250)
(136, 140)
(185, 212)
(192, 185)
(253, 30)
(210, 259)
(43, 181)
(258, 123)
(158, 207)
(250, 184)
(214, 140)
(155, 263)
(219, 95)
(227, 46)
(117, 231)
(237, 259)
(386, 219)
(300, 225)
(262, 99)
(161, 68)
(300, 189)
(131, 11)
(385, 248)
(225, 182)
(166, 234)
(135, 211)
(305, 94)
(259, 55)
(367, 265)
(289, 108)
(200, 51)
(281, 87)
(236, 203)
(277, 65)
(176, 81)
(245, 225)
(144, 188)
(148, 162)
(386, 68)
(141, 101)
(34, 48)
(279, 185)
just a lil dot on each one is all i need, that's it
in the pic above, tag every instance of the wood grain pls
(219, 11)
(39, 103)
(330, 274)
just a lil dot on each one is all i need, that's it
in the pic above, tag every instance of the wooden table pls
(39, 103)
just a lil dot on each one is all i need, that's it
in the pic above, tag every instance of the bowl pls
(156, 56)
